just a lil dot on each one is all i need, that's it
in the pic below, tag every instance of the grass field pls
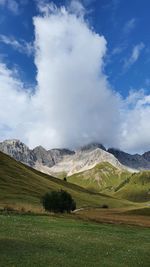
(79, 239)
(64, 242)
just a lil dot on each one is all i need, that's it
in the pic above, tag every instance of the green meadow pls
(31, 237)
(65, 242)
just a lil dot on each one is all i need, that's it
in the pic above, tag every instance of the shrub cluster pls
(105, 206)
(58, 201)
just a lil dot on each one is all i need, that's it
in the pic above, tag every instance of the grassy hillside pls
(51, 241)
(102, 177)
(23, 186)
(136, 188)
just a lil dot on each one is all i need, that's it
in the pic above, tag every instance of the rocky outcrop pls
(43, 156)
(146, 156)
(58, 154)
(19, 151)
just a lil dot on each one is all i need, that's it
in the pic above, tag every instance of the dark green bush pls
(58, 201)
(105, 206)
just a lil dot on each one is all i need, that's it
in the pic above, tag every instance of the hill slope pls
(103, 176)
(24, 186)
(136, 188)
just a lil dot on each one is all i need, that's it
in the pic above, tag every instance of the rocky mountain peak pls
(92, 146)
(14, 144)
(18, 150)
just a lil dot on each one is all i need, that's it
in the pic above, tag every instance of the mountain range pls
(92, 167)
(68, 162)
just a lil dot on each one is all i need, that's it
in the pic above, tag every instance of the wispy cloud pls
(12, 5)
(119, 49)
(137, 49)
(129, 26)
(21, 46)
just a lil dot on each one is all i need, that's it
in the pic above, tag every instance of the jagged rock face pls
(50, 157)
(18, 151)
(146, 156)
(135, 161)
(39, 156)
(43, 156)
(58, 154)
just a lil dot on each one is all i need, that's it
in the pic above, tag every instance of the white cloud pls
(77, 8)
(14, 103)
(137, 49)
(21, 45)
(129, 25)
(71, 85)
(70, 106)
(136, 124)
(12, 5)
(73, 103)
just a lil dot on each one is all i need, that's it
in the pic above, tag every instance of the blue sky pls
(123, 23)
(77, 69)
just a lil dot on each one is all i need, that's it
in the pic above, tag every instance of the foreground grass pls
(51, 241)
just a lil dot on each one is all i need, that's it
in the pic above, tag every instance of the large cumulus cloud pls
(73, 103)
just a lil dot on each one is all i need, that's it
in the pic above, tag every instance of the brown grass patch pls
(114, 216)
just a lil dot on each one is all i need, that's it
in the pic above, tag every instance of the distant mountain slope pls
(136, 161)
(23, 186)
(84, 160)
(135, 188)
(103, 176)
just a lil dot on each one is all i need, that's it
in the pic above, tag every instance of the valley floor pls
(60, 241)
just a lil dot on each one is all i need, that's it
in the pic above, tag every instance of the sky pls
(75, 72)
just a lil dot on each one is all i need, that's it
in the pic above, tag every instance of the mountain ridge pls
(135, 161)
(69, 162)
(59, 160)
